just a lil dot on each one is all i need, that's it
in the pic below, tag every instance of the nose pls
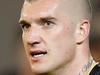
(34, 38)
(34, 43)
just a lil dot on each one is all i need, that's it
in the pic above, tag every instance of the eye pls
(24, 25)
(49, 23)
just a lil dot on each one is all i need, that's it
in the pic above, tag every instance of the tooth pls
(38, 55)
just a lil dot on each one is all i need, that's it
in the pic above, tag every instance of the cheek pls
(63, 35)
(62, 39)
(24, 38)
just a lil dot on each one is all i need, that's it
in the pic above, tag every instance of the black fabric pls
(95, 70)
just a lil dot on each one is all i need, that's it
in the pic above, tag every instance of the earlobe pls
(82, 31)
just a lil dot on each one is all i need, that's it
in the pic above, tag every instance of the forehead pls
(49, 4)
(40, 7)
(44, 8)
(43, 3)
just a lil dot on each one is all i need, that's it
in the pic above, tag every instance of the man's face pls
(48, 35)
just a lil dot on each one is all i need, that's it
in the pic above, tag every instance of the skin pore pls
(60, 28)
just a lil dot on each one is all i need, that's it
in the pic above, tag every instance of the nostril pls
(34, 43)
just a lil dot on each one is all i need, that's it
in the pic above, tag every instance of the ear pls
(82, 31)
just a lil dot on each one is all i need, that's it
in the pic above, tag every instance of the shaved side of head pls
(77, 9)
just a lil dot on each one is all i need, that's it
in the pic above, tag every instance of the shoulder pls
(95, 70)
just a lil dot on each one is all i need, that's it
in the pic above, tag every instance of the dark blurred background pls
(95, 31)
(12, 55)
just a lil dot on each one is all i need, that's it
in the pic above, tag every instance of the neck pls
(87, 67)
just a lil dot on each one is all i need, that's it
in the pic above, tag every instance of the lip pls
(37, 55)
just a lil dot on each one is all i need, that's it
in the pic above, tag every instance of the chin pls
(38, 70)
(42, 69)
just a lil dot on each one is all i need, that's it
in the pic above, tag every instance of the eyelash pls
(25, 26)
(48, 23)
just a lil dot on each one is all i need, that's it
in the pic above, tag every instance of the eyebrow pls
(21, 22)
(44, 19)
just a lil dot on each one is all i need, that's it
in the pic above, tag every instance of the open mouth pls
(38, 53)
